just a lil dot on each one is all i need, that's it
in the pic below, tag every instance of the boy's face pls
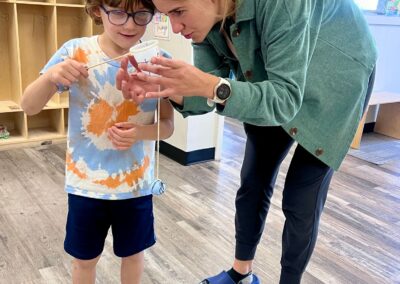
(122, 36)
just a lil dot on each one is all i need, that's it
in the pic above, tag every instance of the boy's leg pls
(133, 232)
(132, 268)
(266, 147)
(304, 195)
(84, 271)
(86, 231)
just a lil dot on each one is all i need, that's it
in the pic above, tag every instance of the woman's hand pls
(131, 86)
(177, 78)
(66, 73)
(123, 135)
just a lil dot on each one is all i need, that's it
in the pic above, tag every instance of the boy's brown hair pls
(130, 5)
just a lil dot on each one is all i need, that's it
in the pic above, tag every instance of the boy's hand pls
(123, 135)
(67, 72)
(131, 86)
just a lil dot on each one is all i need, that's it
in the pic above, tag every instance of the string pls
(158, 134)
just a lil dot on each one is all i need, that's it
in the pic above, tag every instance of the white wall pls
(386, 31)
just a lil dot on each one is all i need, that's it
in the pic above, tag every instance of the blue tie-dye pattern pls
(88, 151)
(149, 105)
(82, 148)
(100, 78)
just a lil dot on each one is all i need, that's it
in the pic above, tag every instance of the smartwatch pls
(222, 92)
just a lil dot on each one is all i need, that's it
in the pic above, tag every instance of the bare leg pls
(84, 271)
(132, 268)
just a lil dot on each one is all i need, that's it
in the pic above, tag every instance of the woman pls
(302, 71)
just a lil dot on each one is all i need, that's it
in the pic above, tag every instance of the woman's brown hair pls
(229, 9)
(130, 5)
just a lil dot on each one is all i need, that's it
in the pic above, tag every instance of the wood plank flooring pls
(359, 240)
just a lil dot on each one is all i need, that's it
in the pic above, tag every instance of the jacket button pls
(248, 74)
(319, 152)
(293, 131)
(236, 32)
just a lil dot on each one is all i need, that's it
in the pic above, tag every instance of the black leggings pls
(304, 195)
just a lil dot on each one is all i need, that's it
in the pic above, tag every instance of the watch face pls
(223, 92)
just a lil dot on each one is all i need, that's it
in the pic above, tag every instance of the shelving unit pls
(30, 33)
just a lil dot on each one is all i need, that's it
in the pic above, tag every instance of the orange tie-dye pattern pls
(71, 167)
(126, 109)
(101, 112)
(131, 178)
(80, 55)
(100, 117)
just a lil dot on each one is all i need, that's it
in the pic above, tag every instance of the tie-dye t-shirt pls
(94, 167)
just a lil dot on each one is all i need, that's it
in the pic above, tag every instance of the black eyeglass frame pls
(133, 14)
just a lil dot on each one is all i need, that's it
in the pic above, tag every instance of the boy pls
(110, 158)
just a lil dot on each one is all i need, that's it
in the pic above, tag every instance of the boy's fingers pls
(125, 124)
(124, 64)
(119, 79)
(70, 77)
(79, 69)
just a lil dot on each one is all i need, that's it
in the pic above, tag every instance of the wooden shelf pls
(71, 2)
(35, 22)
(15, 138)
(10, 77)
(9, 106)
(65, 121)
(36, 2)
(16, 125)
(72, 23)
(30, 33)
(46, 124)
(64, 99)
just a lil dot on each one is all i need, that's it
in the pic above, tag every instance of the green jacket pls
(303, 64)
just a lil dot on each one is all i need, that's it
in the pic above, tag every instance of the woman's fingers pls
(167, 62)
(157, 70)
(130, 91)
(162, 94)
(154, 80)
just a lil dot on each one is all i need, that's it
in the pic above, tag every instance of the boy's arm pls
(149, 132)
(38, 93)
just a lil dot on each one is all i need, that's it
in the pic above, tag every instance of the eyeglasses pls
(120, 17)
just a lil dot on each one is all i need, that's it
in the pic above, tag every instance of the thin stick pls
(158, 135)
(115, 58)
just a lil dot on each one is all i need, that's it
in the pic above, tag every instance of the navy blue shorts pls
(131, 222)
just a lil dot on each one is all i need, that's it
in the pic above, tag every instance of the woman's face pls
(191, 18)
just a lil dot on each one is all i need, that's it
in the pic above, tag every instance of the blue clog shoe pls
(224, 278)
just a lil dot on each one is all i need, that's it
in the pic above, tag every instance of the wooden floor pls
(359, 239)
